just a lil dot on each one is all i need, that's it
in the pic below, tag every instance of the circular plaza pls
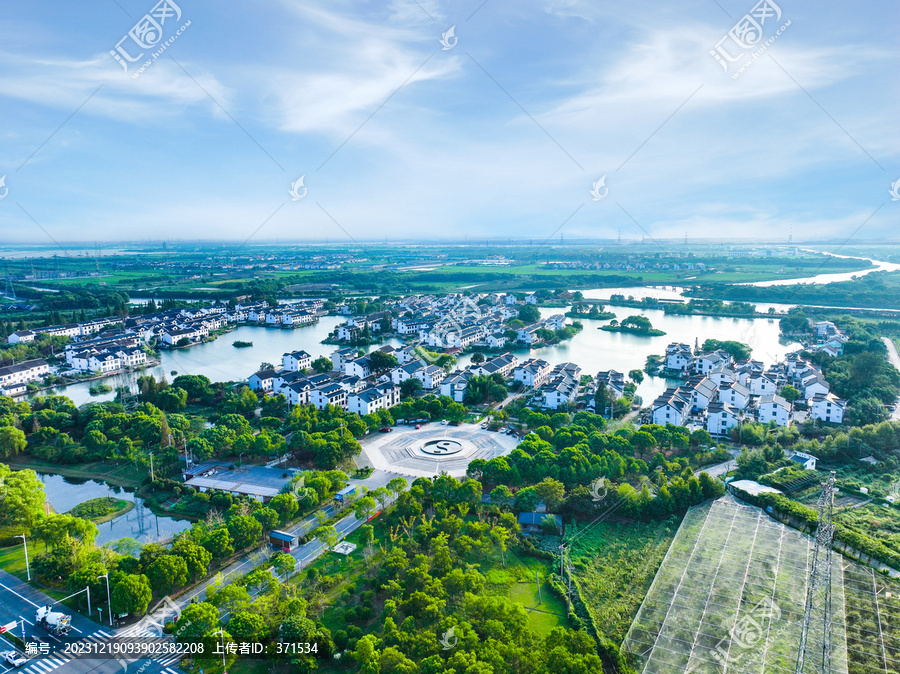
(434, 448)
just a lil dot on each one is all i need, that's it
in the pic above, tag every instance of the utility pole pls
(818, 610)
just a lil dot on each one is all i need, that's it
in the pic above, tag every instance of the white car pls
(444, 422)
(12, 658)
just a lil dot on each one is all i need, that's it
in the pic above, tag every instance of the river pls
(821, 279)
(64, 493)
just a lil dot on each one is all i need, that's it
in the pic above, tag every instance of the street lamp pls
(108, 598)
(221, 632)
(27, 567)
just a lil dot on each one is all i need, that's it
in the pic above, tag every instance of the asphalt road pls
(19, 600)
(894, 358)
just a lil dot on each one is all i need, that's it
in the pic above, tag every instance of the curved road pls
(894, 357)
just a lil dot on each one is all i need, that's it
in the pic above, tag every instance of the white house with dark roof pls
(373, 398)
(708, 362)
(296, 360)
(678, 356)
(21, 336)
(774, 408)
(672, 407)
(828, 407)
(329, 394)
(761, 385)
(22, 373)
(721, 416)
(264, 381)
(735, 394)
(455, 385)
(533, 372)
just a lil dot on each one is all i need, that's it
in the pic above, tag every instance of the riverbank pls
(119, 473)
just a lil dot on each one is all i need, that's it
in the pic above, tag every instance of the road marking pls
(18, 595)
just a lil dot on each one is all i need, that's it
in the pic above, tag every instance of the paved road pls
(894, 357)
(19, 600)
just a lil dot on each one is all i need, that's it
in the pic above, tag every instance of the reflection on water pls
(64, 493)
(592, 349)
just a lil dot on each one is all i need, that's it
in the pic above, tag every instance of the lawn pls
(545, 610)
(120, 473)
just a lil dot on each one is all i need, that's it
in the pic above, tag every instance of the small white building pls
(296, 361)
(828, 407)
(774, 408)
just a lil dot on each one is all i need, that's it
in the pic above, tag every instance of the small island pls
(635, 325)
(102, 509)
(99, 389)
(596, 312)
(240, 344)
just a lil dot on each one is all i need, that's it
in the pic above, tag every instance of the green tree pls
(643, 442)
(247, 626)
(478, 358)
(636, 376)
(364, 508)
(196, 558)
(131, 594)
(790, 394)
(411, 387)
(23, 499)
(322, 365)
(244, 530)
(551, 492)
(12, 441)
(166, 573)
(327, 536)
(196, 620)
(267, 517)
(286, 506)
(381, 361)
(528, 314)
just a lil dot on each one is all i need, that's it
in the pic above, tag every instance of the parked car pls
(418, 425)
(12, 658)
(444, 422)
(386, 429)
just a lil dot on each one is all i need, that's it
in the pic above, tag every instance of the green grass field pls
(614, 566)
(545, 611)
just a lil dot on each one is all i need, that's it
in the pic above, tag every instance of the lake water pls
(592, 349)
(220, 361)
(64, 493)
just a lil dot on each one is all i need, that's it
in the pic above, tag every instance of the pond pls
(64, 493)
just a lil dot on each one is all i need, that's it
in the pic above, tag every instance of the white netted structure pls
(730, 596)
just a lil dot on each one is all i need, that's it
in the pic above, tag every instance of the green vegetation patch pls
(101, 509)
(614, 566)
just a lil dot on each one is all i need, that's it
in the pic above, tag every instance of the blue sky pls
(501, 135)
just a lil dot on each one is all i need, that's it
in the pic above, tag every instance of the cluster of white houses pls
(110, 344)
(451, 321)
(721, 393)
(15, 378)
